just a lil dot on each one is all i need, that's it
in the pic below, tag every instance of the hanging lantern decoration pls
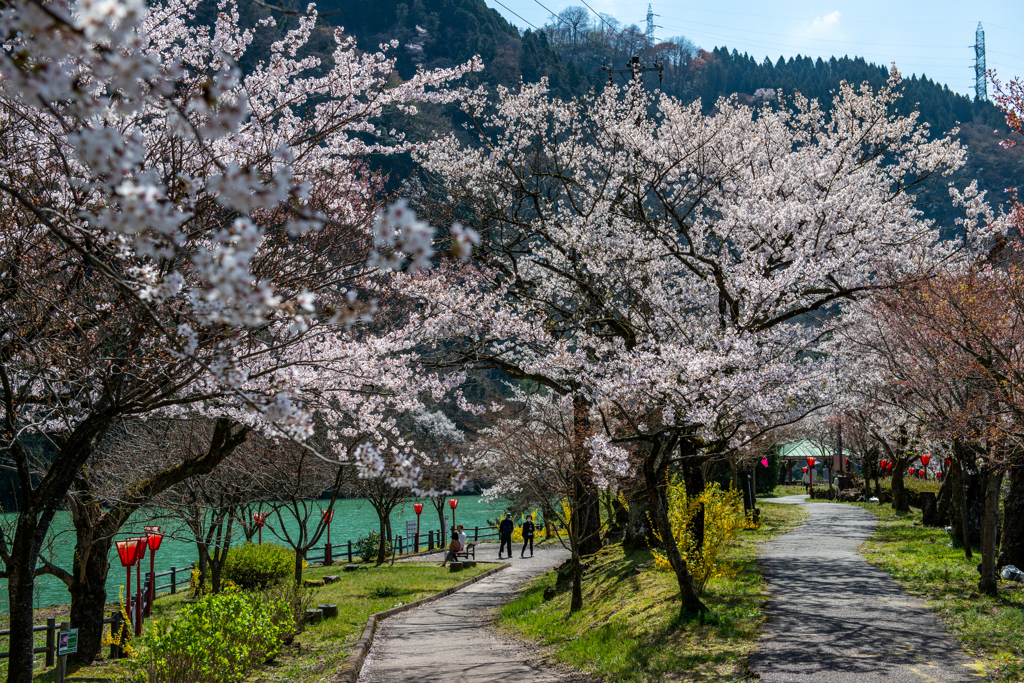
(453, 503)
(127, 551)
(153, 540)
(810, 462)
(805, 470)
(925, 459)
(938, 475)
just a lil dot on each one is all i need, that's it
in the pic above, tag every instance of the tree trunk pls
(39, 504)
(1011, 549)
(966, 504)
(20, 589)
(89, 598)
(992, 479)
(576, 602)
(203, 565)
(298, 565)
(638, 534)
(900, 500)
(382, 548)
(586, 498)
(693, 476)
(944, 503)
(655, 474)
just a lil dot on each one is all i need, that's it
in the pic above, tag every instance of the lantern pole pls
(140, 544)
(418, 507)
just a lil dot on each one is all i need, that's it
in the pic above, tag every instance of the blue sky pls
(934, 38)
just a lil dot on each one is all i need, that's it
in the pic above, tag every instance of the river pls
(353, 518)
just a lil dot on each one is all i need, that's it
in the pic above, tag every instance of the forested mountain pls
(572, 48)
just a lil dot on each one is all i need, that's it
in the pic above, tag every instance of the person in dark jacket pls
(528, 530)
(505, 534)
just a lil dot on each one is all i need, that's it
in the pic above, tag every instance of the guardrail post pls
(62, 661)
(350, 552)
(51, 640)
(476, 534)
(174, 580)
(116, 634)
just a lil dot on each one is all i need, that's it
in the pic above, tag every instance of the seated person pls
(454, 547)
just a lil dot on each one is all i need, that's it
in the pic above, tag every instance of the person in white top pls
(462, 537)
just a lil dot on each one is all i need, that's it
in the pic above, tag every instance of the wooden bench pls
(469, 552)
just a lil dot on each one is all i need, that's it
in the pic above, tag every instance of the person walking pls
(505, 534)
(528, 529)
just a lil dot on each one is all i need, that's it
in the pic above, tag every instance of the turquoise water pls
(353, 518)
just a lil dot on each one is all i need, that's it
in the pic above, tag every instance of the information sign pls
(67, 642)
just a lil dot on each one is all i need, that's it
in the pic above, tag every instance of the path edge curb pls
(349, 673)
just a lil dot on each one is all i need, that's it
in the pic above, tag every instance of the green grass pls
(783, 490)
(629, 629)
(922, 560)
(317, 653)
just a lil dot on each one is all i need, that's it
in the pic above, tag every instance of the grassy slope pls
(629, 628)
(321, 649)
(923, 561)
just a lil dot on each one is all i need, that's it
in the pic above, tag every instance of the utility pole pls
(980, 76)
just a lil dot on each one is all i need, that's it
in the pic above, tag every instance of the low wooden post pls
(476, 534)
(328, 560)
(116, 634)
(62, 661)
(350, 552)
(174, 580)
(51, 640)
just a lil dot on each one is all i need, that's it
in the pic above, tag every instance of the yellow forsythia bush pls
(724, 518)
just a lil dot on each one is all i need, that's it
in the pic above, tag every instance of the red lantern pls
(949, 463)
(453, 503)
(938, 475)
(925, 459)
(805, 470)
(260, 518)
(126, 551)
(418, 507)
(810, 462)
(153, 539)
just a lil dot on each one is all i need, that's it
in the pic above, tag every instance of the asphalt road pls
(452, 640)
(833, 618)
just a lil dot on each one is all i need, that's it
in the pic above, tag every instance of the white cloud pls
(826, 26)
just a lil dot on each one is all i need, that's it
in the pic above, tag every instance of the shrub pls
(258, 566)
(217, 639)
(297, 597)
(368, 545)
(724, 518)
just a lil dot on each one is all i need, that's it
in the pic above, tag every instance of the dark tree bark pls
(39, 504)
(588, 502)
(1011, 548)
(693, 476)
(656, 478)
(992, 479)
(638, 534)
(965, 510)
(96, 526)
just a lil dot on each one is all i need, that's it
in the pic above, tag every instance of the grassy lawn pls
(315, 654)
(629, 629)
(923, 561)
(783, 490)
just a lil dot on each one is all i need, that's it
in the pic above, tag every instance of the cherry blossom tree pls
(676, 272)
(177, 235)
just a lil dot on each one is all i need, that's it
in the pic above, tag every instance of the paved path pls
(450, 639)
(833, 618)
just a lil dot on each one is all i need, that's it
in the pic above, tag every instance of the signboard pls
(67, 642)
(410, 527)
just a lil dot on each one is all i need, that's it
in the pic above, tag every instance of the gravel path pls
(451, 639)
(833, 618)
